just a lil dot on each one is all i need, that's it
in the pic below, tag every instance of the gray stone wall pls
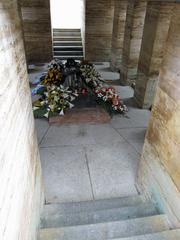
(21, 195)
(99, 25)
(156, 28)
(37, 30)
(120, 10)
(159, 172)
(132, 39)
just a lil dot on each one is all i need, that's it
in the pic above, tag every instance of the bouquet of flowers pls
(106, 94)
(54, 101)
(91, 76)
(54, 76)
(55, 98)
(109, 96)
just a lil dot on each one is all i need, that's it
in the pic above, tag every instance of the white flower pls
(71, 105)
(35, 108)
(46, 115)
(61, 112)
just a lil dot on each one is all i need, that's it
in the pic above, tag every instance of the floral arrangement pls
(106, 94)
(54, 76)
(109, 96)
(54, 101)
(55, 98)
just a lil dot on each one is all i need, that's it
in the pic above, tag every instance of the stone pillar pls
(37, 30)
(21, 194)
(98, 32)
(120, 10)
(159, 172)
(132, 40)
(156, 28)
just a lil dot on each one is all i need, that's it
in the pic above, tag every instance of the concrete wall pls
(99, 25)
(159, 173)
(37, 30)
(21, 194)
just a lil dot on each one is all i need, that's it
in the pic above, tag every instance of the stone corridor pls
(130, 166)
(93, 161)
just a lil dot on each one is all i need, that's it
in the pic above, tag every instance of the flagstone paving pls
(92, 161)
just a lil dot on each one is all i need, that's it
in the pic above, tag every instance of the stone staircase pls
(128, 218)
(67, 43)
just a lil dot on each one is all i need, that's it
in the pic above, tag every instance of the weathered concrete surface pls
(132, 40)
(159, 173)
(20, 172)
(120, 10)
(37, 30)
(99, 25)
(155, 33)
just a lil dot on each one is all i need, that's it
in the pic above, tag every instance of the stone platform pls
(82, 115)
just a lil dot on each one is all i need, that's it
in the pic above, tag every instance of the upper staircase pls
(128, 218)
(67, 43)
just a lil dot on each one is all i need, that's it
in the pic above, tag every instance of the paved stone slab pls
(124, 91)
(113, 169)
(104, 134)
(140, 116)
(65, 174)
(134, 118)
(80, 134)
(135, 136)
(42, 126)
(67, 135)
(106, 73)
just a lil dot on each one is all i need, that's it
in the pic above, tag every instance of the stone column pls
(120, 10)
(156, 28)
(37, 30)
(159, 173)
(21, 188)
(98, 32)
(132, 40)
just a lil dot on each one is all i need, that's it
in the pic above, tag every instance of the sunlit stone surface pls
(132, 40)
(155, 33)
(20, 171)
(159, 173)
(120, 10)
(37, 30)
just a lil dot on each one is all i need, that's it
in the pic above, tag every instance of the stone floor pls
(92, 161)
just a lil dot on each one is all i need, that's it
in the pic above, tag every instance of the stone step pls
(66, 30)
(90, 206)
(68, 48)
(102, 231)
(66, 34)
(68, 53)
(107, 215)
(67, 38)
(165, 235)
(67, 57)
(67, 43)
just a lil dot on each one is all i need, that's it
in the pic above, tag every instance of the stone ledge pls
(83, 115)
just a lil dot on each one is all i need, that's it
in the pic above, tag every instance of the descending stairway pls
(120, 219)
(67, 43)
